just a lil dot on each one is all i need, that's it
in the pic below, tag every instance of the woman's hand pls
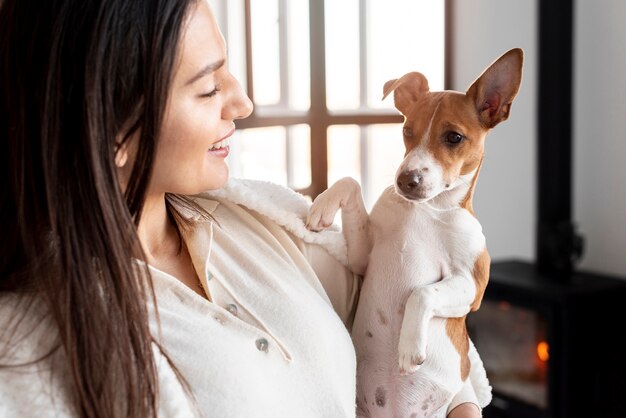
(465, 410)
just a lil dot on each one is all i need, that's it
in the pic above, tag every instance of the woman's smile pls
(221, 148)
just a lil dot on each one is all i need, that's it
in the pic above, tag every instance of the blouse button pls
(209, 276)
(261, 344)
(232, 308)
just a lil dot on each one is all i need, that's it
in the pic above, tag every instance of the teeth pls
(223, 143)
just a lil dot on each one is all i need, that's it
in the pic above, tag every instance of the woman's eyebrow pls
(205, 71)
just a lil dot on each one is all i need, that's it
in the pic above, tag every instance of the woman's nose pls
(239, 106)
(246, 106)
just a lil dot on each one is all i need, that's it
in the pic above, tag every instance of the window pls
(315, 70)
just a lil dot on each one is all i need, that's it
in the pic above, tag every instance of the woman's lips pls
(221, 148)
(220, 152)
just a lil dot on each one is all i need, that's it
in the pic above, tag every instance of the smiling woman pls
(129, 286)
(204, 101)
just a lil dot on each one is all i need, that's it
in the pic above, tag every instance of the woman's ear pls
(124, 150)
(125, 147)
(121, 154)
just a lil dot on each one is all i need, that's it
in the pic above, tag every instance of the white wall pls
(600, 133)
(505, 199)
(505, 195)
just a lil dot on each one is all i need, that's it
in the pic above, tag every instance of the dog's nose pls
(408, 182)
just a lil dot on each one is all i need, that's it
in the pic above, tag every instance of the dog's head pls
(444, 132)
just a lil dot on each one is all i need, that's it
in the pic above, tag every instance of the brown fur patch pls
(455, 328)
(456, 114)
(466, 203)
(481, 277)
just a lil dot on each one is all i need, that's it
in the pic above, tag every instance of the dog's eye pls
(408, 132)
(454, 138)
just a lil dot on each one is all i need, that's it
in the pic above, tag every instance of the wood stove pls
(552, 339)
(552, 348)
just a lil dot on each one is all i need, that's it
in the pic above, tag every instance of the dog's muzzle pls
(410, 185)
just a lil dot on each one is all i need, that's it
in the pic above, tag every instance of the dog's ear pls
(406, 90)
(494, 91)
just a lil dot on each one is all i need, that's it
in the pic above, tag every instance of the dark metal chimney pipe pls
(558, 244)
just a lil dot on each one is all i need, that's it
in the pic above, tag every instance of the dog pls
(421, 250)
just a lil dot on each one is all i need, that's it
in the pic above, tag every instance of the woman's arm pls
(341, 285)
(465, 403)
(465, 410)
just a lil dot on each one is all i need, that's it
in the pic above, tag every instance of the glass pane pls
(384, 155)
(342, 54)
(259, 154)
(230, 18)
(299, 156)
(236, 41)
(371, 155)
(265, 51)
(513, 345)
(344, 152)
(404, 36)
(298, 54)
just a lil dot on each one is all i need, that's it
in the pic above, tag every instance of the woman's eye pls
(211, 93)
(454, 138)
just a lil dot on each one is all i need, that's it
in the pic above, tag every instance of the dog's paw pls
(321, 215)
(323, 211)
(411, 354)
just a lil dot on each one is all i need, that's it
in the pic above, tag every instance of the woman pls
(121, 296)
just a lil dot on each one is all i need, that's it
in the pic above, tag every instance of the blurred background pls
(323, 84)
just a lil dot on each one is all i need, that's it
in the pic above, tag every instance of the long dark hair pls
(73, 75)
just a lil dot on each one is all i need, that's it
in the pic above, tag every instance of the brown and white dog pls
(421, 249)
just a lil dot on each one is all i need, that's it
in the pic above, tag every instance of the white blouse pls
(270, 343)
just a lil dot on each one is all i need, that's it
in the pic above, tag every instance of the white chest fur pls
(426, 243)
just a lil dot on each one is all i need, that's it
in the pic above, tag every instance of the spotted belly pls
(382, 391)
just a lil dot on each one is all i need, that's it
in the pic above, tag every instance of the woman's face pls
(205, 99)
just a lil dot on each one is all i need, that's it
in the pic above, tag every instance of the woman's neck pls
(156, 232)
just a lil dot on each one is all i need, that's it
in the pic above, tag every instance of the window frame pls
(318, 117)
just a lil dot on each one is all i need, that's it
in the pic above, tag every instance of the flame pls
(543, 351)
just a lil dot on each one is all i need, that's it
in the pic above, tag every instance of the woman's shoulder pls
(269, 198)
(280, 205)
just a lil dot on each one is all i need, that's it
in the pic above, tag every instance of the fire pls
(543, 351)
(504, 305)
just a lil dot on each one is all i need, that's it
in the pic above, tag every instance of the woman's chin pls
(217, 178)
(212, 179)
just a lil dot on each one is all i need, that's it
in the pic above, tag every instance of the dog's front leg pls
(345, 194)
(450, 297)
